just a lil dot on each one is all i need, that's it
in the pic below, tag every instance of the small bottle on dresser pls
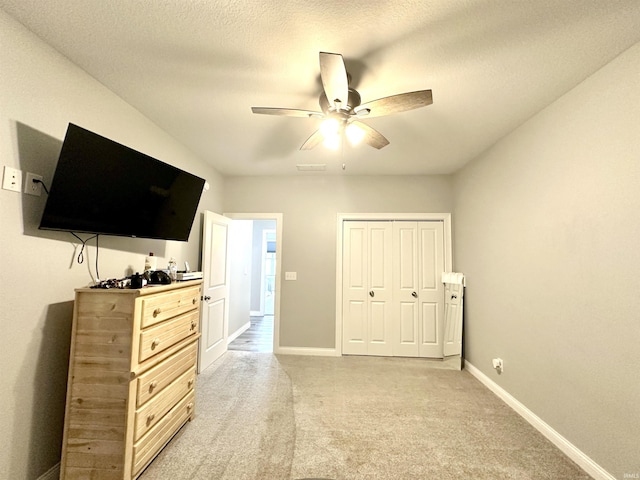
(150, 262)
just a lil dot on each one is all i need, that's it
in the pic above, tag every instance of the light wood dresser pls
(132, 374)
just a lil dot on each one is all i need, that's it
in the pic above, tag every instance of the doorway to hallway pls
(255, 293)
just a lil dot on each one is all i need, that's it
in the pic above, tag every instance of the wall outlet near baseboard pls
(498, 364)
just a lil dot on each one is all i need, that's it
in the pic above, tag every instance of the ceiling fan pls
(342, 109)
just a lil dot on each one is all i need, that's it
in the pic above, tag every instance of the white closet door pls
(406, 324)
(380, 288)
(393, 297)
(431, 289)
(418, 293)
(355, 294)
(367, 290)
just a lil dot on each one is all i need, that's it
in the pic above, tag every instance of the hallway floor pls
(258, 338)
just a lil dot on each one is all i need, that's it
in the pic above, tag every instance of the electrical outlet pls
(31, 187)
(498, 364)
(12, 179)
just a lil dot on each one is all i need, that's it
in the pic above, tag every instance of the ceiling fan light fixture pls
(354, 133)
(341, 105)
(330, 127)
(332, 142)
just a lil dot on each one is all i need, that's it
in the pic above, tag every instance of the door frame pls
(276, 310)
(343, 217)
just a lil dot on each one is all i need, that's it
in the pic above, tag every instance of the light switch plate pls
(12, 179)
(290, 275)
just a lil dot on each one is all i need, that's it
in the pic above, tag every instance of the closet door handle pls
(453, 297)
(371, 294)
(414, 294)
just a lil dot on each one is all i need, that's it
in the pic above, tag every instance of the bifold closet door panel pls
(379, 260)
(354, 298)
(367, 290)
(406, 326)
(431, 288)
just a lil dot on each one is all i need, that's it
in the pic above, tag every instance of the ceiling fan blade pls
(287, 112)
(395, 103)
(315, 138)
(372, 136)
(334, 79)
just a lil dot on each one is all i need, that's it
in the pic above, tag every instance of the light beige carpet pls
(288, 417)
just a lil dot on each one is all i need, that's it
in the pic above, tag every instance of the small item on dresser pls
(110, 283)
(150, 262)
(159, 277)
(173, 269)
(183, 276)
(137, 281)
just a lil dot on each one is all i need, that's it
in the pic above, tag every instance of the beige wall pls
(545, 227)
(40, 92)
(310, 205)
(547, 230)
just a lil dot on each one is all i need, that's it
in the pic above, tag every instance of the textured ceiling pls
(196, 67)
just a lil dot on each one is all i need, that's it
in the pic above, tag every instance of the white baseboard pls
(318, 352)
(238, 332)
(52, 474)
(569, 449)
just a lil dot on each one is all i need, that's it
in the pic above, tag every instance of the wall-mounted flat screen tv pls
(102, 187)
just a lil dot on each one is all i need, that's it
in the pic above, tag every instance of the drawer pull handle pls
(194, 301)
(190, 383)
(156, 312)
(155, 343)
(153, 385)
(150, 418)
(190, 406)
(193, 325)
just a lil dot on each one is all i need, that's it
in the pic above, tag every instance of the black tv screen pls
(103, 187)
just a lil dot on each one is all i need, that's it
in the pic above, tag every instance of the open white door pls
(215, 289)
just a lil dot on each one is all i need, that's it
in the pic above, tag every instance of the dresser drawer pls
(160, 337)
(153, 411)
(152, 382)
(157, 308)
(146, 448)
